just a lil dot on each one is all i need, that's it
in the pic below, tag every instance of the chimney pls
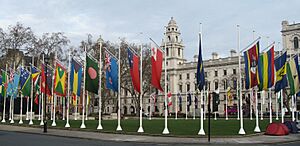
(232, 53)
(284, 24)
(215, 55)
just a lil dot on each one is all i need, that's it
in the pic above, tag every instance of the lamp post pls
(45, 97)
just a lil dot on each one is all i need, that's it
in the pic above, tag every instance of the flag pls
(75, 77)
(1, 86)
(46, 74)
(169, 98)
(12, 89)
(251, 65)
(266, 70)
(35, 73)
(4, 83)
(36, 99)
(133, 60)
(156, 60)
(229, 96)
(60, 80)
(280, 66)
(200, 68)
(293, 75)
(74, 99)
(25, 82)
(111, 71)
(189, 100)
(91, 75)
(196, 102)
(179, 98)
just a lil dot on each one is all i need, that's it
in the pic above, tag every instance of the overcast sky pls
(126, 18)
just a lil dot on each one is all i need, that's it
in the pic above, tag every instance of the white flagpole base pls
(226, 118)
(42, 123)
(257, 129)
(3, 121)
(53, 124)
(140, 130)
(119, 128)
(201, 132)
(30, 122)
(82, 126)
(20, 122)
(242, 131)
(166, 131)
(67, 125)
(63, 119)
(12, 121)
(261, 118)
(99, 127)
(27, 119)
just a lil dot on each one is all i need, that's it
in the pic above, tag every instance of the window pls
(216, 73)
(187, 87)
(169, 38)
(167, 63)
(176, 38)
(187, 76)
(216, 85)
(225, 84)
(180, 76)
(205, 74)
(180, 88)
(167, 51)
(179, 52)
(234, 71)
(225, 72)
(296, 43)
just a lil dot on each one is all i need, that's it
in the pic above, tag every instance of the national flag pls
(280, 66)
(74, 99)
(156, 60)
(75, 77)
(251, 66)
(189, 100)
(133, 60)
(91, 75)
(35, 73)
(169, 98)
(266, 70)
(36, 99)
(25, 82)
(12, 89)
(1, 86)
(46, 74)
(200, 68)
(60, 80)
(293, 75)
(196, 102)
(229, 96)
(111, 71)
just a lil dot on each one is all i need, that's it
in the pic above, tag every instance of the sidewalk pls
(259, 139)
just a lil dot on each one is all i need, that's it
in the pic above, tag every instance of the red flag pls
(134, 70)
(169, 98)
(156, 59)
(36, 99)
(46, 88)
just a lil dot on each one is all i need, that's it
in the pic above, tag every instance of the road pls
(26, 139)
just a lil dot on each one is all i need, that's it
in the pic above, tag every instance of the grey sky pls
(126, 18)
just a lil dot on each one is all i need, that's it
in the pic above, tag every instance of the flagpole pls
(31, 94)
(27, 107)
(262, 100)
(251, 94)
(166, 130)
(76, 107)
(176, 106)
(5, 96)
(141, 130)
(119, 128)
(21, 109)
(12, 102)
(68, 91)
(257, 129)
(42, 99)
(64, 107)
(194, 113)
(186, 106)
(238, 98)
(54, 95)
(276, 101)
(39, 118)
(226, 102)
(82, 126)
(201, 131)
(150, 113)
(241, 131)
(293, 107)
(282, 112)
(87, 105)
(270, 104)
(205, 96)
(100, 86)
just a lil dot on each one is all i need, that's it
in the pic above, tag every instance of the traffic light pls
(216, 101)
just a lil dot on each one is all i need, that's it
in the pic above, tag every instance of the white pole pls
(257, 129)
(238, 98)
(42, 107)
(241, 131)
(12, 110)
(83, 94)
(251, 94)
(186, 107)
(87, 105)
(215, 115)
(119, 128)
(293, 107)
(141, 130)
(150, 113)
(27, 107)
(68, 91)
(4, 104)
(282, 110)
(262, 101)
(270, 104)
(64, 107)
(51, 106)
(31, 95)
(226, 109)
(204, 111)
(201, 131)
(21, 110)
(166, 130)
(39, 118)
(54, 110)
(76, 108)
(194, 107)
(176, 106)
(276, 101)
(100, 86)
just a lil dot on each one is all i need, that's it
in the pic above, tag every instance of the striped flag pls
(266, 70)
(293, 75)
(200, 68)
(251, 66)
(280, 66)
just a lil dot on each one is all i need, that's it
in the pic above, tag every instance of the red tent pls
(277, 129)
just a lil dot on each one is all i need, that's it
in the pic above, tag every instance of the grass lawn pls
(180, 127)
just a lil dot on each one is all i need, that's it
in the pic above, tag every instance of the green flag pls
(91, 75)
(293, 75)
(26, 89)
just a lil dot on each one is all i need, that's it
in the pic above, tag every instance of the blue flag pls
(200, 68)
(75, 77)
(179, 98)
(24, 77)
(280, 66)
(12, 89)
(111, 70)
(196, 102)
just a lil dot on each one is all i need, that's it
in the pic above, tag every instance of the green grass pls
(180, 127)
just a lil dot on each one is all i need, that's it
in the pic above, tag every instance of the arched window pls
(296, 43)
(169, 38)
(179, 52)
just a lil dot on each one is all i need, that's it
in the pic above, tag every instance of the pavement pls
(255, 139)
